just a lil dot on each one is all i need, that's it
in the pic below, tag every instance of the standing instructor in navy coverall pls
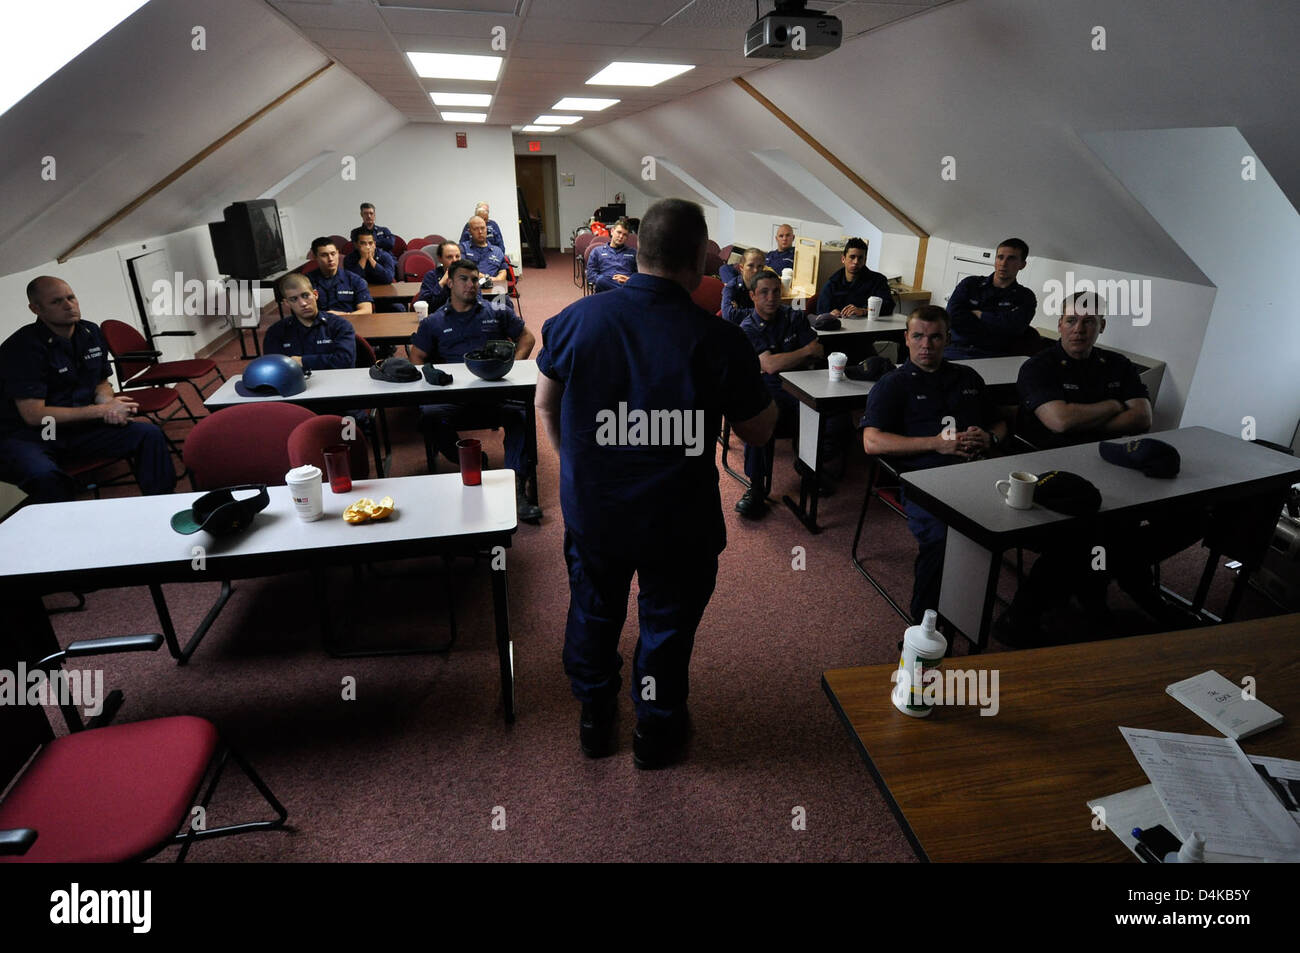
(631, 391)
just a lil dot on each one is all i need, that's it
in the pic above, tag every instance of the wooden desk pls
(394, 327)
(397, 291)
(1014, 786)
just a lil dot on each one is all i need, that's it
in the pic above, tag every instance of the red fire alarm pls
(462, 141)
(534, 145)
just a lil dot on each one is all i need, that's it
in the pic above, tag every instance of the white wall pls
(420, 184)
(1243, 234)
(103, 288)
(594, 185)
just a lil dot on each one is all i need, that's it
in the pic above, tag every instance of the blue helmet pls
(271, 375)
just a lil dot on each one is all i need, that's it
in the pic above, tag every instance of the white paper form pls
(1209, 785)
(1283, 777)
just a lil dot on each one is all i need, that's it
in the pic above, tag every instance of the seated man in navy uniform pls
(609, 266)
(383, 237)
(782, 257)
(736, 300)
(340, 291)
(373, 264)
(489, 259)
(57, 405)
(929, 412)
(467, 322)
(846, 292)
(436, 286)
(1075, 392)
(991, 313)
(317, 340)
(494, 236)
(639, 507)
(784, 341)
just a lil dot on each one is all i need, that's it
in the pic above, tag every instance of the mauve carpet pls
(420, 765)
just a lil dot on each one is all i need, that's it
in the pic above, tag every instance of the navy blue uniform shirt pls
(736, 302)
(37, 363)
(341, 293)
(648, 350)
(489, 258)
(787, 331)
(911, 402)
(329, 344)
(778, 261)
(1054, 375)
(447, 335)
(383, 237)
(494, 236)
(837, 292)
(380, 273)
(1005, 313)
(431, 291)
(606, 261)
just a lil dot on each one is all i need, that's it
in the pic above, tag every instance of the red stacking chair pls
(246, 443)
(597, 240)
(374, 423)
(580, 256)
(414, 265)
(434, 239)
(111, 793)
(415, 244)
(713, 247)
(308, 440)
(399, 246)
(339, 241)
(709, 294)
(347, 249)
(138, 366)
(712, 264)
(512, 286)
(630, 241)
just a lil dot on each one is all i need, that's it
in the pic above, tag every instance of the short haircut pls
(363, 231)
(294, 280)
(753, 253)
(318, 243)
(673, 234)
(623, 223)
(767, 274)
(34, 287)
(367, 205)
(931, 312)
(442, 245)
(1018, 244)
(853, 243)
(481, 205)
(785, 225)
(1089, 301)
(460, 264)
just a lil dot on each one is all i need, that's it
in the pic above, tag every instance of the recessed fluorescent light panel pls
(461, 99)
(464, 117)
(637, 74)
(455, 66)
(39, 39)
(584, 105)
(540, 129)
(557, 120)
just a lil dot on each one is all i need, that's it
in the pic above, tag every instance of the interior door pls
(529, 172)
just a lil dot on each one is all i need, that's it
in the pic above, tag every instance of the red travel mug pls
(471, 461)
(338, 468)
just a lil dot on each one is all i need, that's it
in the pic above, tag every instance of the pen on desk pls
(1146, 853)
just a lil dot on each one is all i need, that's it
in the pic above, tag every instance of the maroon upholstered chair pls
(138, 365)
(308, 440)
(242, 444)
(113, 793)
(709, 294)
(414, 265)
(415, 244)
(399, 246)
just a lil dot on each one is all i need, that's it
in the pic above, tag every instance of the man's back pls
(647, 376)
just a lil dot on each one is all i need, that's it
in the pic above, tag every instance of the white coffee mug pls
(873, 306)
(837, 361)
(305, 488)
(422, 308)
(1018, 491)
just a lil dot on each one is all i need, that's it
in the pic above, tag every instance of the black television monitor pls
(248, 242)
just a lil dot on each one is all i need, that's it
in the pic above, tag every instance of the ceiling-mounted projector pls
(792, 32)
